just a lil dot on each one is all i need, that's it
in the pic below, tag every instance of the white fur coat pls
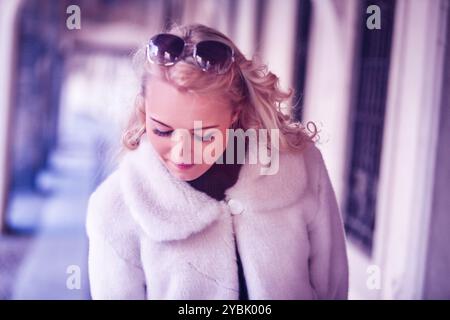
(152, 236)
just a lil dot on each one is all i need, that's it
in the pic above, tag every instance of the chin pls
(185, 176)
(188, 175)
(188, 178)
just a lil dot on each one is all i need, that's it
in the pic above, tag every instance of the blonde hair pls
(250, 88)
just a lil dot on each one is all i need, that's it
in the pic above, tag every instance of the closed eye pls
(205, 138)
(162, 133)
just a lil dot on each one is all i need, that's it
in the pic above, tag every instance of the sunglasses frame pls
(182, 56)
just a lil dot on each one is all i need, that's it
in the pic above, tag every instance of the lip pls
(183, 166)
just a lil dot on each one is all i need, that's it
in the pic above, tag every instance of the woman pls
(196, 210)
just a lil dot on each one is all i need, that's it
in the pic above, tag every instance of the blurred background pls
(380, 98)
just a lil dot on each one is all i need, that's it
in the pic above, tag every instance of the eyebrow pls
(166, 125)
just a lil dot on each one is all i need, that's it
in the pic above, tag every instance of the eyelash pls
(168, 133)
(162, 133)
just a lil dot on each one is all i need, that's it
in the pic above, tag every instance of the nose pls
(181, 147)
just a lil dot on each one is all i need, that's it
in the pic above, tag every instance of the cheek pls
(161, 145)
(221, 140)
(211, 151)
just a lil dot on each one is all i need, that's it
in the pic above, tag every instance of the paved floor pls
(13, 249)
(53, 263)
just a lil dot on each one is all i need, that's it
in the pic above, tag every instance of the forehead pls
(180, 109)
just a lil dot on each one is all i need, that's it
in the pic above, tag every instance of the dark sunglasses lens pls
(213, 55)
(165, 48)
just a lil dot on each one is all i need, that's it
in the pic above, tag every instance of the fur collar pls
(170, 209)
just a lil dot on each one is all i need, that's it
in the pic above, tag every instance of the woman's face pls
(186, 148)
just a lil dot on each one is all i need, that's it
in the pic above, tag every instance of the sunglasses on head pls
(209, 55)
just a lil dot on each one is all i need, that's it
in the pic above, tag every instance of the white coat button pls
(235, 206)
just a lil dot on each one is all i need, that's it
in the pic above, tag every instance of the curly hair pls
(251, 89)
